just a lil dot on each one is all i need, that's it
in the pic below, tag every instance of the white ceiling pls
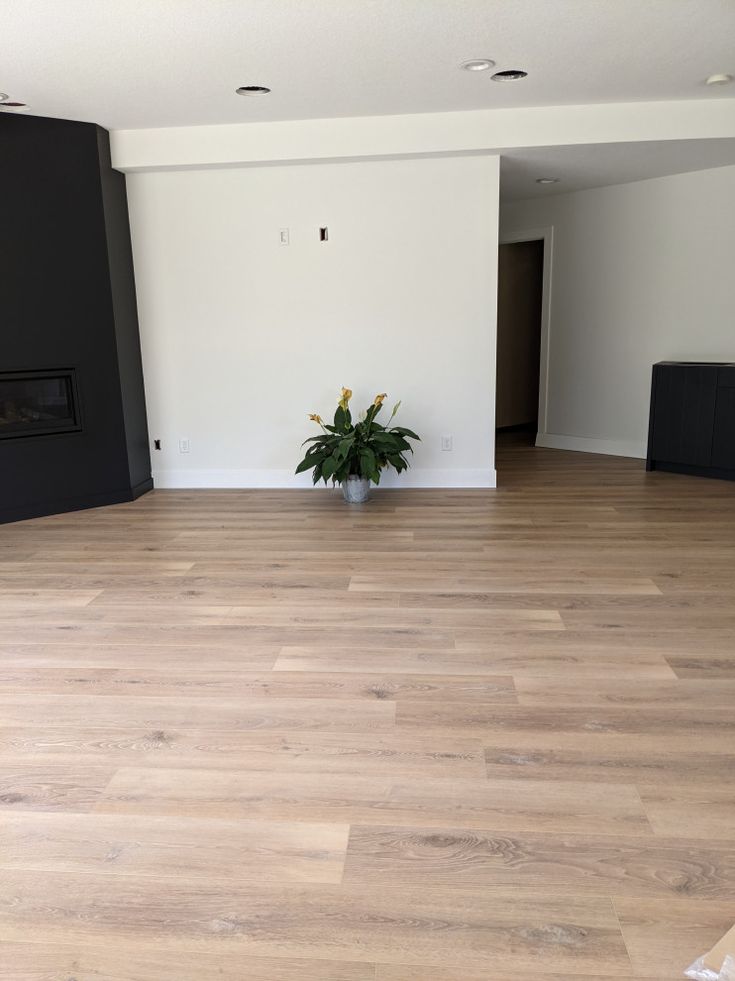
(153, 63)
(597, 165)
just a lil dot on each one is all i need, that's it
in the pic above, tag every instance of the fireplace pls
(38, 403)
(73, 430)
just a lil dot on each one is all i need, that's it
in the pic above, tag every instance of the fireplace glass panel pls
(36, 403)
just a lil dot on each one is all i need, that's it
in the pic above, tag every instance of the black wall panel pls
(67, 300)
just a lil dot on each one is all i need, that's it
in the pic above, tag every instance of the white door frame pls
(546, 235)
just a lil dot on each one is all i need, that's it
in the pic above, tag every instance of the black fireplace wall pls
(67, 301)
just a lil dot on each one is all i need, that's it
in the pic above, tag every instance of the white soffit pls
(578, 168)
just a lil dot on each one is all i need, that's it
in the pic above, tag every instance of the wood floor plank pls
(667, 935)
(225, 635)
(503, 657)
(21, 601)
(375, 752)
(441, 619)
(502, 804)
(704, 666)
(683, 726)
(608, 759)
(423, 972)
(197, 713)
(704, 812)
(669, 621)
(197, 680)
(168, 657)
(701, 693)
(389, 925)
(417, 582)
(565, 865)
(193, 591)
(110, 844)
(103, 570)
(561, 601)
(49, 788)
(136, 960)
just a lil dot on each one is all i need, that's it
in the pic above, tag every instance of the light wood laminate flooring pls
(454, 735)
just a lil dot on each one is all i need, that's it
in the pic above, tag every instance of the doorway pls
(520, 305)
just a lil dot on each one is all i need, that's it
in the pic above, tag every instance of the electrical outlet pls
(184, 446)
(284, 236)
(446, 443)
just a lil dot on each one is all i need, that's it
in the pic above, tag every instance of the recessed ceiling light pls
(252, 90)
(477, 65)
(720, 79)
(547, 180)
(510, 75)
(6, 106)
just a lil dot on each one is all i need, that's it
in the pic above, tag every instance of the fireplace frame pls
(69, 424)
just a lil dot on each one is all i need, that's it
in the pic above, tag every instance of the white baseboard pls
(591, 444)
(191, 479)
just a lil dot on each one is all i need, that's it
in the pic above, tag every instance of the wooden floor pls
(448, 736)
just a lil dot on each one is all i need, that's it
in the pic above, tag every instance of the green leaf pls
(400, 443)
(368, 463)
(343, 448)
(372, 413)
(342, 420)
(328, 467)
(397, 461)
(405, 432)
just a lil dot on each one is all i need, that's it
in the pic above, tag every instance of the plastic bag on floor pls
(700, 972)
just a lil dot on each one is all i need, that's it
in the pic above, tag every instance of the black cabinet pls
(692, 424)
(723, 440)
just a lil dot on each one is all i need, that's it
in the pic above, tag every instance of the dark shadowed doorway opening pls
(520, 295)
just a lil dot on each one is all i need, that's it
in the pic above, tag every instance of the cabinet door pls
(684, 413)
(723, 442)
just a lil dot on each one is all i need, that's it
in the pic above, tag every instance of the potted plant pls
(353, 454)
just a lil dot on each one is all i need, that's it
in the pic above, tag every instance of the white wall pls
(641, 273)
(242, 337)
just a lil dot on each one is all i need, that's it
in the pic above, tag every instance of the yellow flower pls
(315, 418)
(379, 398)
(346, 396)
